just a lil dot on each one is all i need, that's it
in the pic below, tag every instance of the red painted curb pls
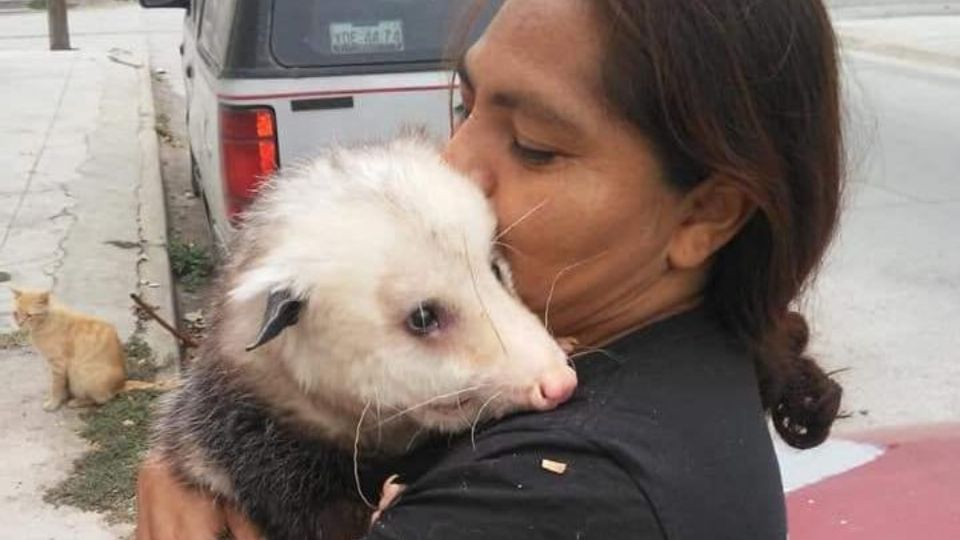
(910, 492)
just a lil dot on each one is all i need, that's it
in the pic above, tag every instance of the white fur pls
(363, 236)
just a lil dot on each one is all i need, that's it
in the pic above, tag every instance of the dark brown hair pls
(746, 89)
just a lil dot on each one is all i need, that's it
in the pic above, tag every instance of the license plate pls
(356, 38)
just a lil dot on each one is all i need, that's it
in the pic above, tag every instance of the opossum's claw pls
(282, 311)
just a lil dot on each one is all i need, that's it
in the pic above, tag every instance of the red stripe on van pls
(388, 90)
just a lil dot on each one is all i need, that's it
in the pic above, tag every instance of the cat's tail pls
(164, 385)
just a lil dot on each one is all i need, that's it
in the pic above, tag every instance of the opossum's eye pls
(424, 319)
(497, 272)
(501, 271)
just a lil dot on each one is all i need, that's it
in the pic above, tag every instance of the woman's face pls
(583, 209)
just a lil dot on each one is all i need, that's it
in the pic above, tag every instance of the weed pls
(14, 340)
(192, 265)
(104, 479)
(141, 360)
(164, 132)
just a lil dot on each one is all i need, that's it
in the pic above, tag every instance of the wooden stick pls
(187, 341)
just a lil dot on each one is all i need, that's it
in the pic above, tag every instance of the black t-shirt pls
(665, 438)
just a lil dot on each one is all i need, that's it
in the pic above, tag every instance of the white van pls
(269, 81)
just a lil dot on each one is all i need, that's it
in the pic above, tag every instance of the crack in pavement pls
(61, 252)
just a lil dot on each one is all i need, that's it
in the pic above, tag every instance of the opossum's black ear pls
(283, 310)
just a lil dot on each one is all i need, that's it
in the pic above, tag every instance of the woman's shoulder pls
(681, 413)
(677, 406)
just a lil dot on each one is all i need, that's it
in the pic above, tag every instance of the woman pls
(685, 160)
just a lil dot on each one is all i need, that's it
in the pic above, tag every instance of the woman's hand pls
(388, 495)
(168, 510)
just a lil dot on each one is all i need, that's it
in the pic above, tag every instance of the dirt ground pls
(192, 253)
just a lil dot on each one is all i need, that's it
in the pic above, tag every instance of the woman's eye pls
(423, 320)
(533, 156)
(460, 114)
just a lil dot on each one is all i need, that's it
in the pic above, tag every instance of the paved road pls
(887, 8)
(921, 4)
(888, 303)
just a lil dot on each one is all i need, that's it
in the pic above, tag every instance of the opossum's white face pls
(406, 307)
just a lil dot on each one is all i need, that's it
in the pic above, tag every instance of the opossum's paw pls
(52, 404)
(79, 403)
(568, 344)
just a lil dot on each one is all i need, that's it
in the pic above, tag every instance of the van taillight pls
(248, 146)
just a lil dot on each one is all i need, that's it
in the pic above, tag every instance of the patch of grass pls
(104, 479)
(192, 265)
(141, 360)
(14, 340)
(163, 130)
(37, 4)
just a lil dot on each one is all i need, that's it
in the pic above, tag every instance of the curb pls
(153, 232)
(906, 8)
(902, 52)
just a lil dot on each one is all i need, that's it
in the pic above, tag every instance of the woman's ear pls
(715, 211)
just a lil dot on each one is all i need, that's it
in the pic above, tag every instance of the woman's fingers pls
(388, 495)
(167, 510)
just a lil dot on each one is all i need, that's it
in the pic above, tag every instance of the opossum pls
(364, 302)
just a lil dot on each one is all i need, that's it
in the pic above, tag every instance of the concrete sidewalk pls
(81, 213)
(81, 206)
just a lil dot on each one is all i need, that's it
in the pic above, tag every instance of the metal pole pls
(57, 23)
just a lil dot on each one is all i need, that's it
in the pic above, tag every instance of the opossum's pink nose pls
(555, 387)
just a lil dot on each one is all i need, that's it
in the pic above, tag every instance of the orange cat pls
(84, 353)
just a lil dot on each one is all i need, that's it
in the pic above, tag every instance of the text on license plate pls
(355, 38)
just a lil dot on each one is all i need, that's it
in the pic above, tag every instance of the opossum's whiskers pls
(356, 460)
(476, 420)
(521, 219)
(556, 279)
(379, 430)
(595, 350)
(476, 291)
(553, 288)
(413, 438)
(431, 400)
(508, 247)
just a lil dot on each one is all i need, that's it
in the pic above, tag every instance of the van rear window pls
(332, 33)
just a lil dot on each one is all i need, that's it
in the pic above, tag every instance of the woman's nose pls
(467, 154)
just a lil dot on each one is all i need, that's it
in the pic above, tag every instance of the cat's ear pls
(17, 293)
(283, 310)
